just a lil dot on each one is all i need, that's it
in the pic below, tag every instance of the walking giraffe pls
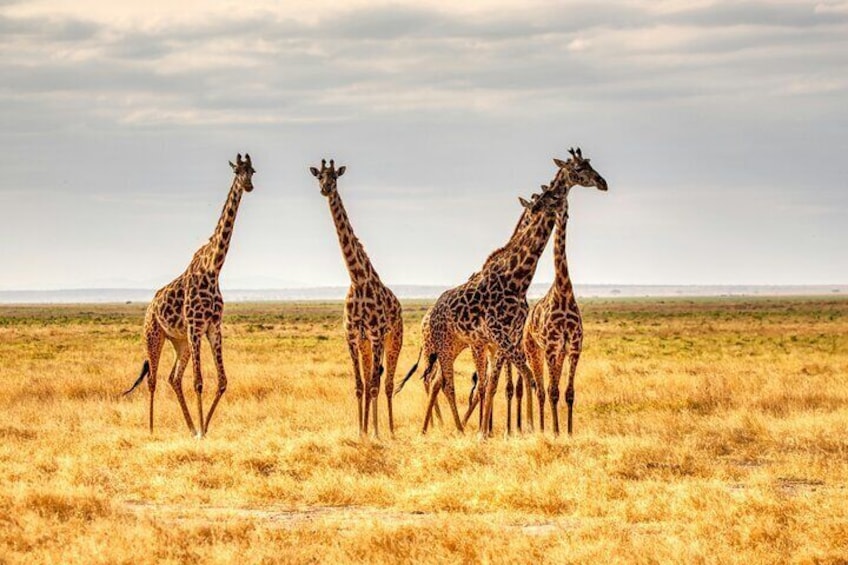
(488, 309)
(191, 307)
(372, 316)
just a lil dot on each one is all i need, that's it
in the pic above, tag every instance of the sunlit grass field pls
(710, 430)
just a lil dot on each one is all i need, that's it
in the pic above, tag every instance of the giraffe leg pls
(519, 396)
(215, 337)
(573, 358)
(510, 389)
(434, 392)
(427, 385)
(480, 365)
(394, 343)
(374, 382)
(535, 359)
(176, 380)
(194, 340)
(554, 360)
(515, 355)
(353, 349)
(154, 338)
(367, 369)
(450, 392)
(488, 401)
(473, 402)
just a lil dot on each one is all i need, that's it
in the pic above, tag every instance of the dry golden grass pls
(705, 431)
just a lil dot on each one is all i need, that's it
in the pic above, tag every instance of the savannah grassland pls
(713, 430)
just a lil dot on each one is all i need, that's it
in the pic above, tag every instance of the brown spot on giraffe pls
(372, 319)
(191, 307)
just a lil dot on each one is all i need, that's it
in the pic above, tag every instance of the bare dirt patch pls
(342, 518)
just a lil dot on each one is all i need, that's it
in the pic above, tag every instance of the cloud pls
(393, 59)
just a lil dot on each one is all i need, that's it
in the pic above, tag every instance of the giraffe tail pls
(431, 360)
(145, 370)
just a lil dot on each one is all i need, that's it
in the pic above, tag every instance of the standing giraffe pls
(554, 328)
(488, 309)
(372, 317)
(190, 307)
(426, 328)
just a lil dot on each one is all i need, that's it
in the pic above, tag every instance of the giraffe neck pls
(520, 257)
(220, 240)
(562, 280)
(358, 265)
(494, 255)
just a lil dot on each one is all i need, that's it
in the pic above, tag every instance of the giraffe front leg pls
(176, 381)
(535, 360)
(450, 392)
(195, 340)
(367, 368)
(554, 374)
(215, 337)
(488, 403)
(353, 349)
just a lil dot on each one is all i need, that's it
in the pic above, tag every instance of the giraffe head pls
(546, 202)
(578, 171)
(244, 170)
(327, 176)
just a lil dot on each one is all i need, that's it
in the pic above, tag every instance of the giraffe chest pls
(556, 322)
(371, 309)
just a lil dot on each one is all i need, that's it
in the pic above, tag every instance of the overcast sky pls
(722, 129)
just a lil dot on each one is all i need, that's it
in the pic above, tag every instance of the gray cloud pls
(739, 106)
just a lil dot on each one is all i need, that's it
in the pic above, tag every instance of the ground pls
(710, 430)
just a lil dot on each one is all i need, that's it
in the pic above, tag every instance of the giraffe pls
(554, 328)
(555, 320)
(489, 308)
(425, 320)
(191, 307)
(372, 316)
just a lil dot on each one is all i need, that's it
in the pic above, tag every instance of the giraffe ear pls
(233, 166)
(341, 171)
(559, 163)
(525, 203)
(315, 172)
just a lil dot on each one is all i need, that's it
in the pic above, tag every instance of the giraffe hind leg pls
(155, 338)
(393, 346)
